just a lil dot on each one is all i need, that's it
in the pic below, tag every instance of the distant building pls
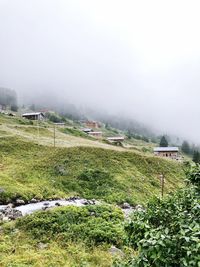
(33, 116)
(167, 152)
(87, 130)
(92, 124)
(116, 139)
(97, 135)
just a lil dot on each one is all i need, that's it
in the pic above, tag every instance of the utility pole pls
(162, 183)
(38, 130)
(54, 135)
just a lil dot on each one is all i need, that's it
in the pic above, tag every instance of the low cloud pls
(139, 59)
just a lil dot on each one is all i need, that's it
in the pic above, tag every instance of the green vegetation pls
(196, 157)
(29, 170)
(75, 132)
(167, 234)
(185, 147)
(20, 249)
(92, 225)
(35, 130)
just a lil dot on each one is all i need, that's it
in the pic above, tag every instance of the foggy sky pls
(136, 58)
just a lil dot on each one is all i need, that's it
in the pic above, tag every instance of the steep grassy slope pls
(29, 170)
(30, 167)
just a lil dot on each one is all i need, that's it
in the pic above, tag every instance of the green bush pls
(193, 174)
(96, 182)
(167, 234)
(91, 224)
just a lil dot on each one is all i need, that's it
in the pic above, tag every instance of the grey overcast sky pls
(131, 57)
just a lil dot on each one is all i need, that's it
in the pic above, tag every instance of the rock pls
(57, 204)
(1, 216)
(85, 202)
(116, 251)
(93, 201)
(46, 204)
(10, 214)
(5, 219)
(72, 198)
(45, 208)
(20, 202)
(42, 245)
(2, 190)
(139, 208)
(126, 205)
(33, 200)
(61, 170)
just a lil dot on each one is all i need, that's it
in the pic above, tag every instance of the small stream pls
(7, 212)
(30, 208)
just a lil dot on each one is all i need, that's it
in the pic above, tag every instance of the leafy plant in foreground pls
(168, 233)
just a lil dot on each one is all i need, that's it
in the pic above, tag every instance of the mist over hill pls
(122, 59)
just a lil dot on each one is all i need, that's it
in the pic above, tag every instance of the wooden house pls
(33, 116)
(167, 152)
(97, 135)
(116, 139)
(92, 124)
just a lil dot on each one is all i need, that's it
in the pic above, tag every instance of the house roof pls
(166, 149)
(95, 133)
(116, 138)
(33, 114)
(86, 130)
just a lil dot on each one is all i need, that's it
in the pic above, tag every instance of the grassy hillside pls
(29, 170)
(68, 136)
(30, 167)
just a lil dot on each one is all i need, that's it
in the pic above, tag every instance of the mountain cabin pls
(33, 116)
(167, 152)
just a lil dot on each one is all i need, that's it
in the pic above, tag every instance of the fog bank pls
(139, 59)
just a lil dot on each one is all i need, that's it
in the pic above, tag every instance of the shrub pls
(90, 224)
(193, 174)
(167, 234)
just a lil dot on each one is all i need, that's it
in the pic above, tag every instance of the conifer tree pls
(186, 147)
(196, 156)
(163, 142)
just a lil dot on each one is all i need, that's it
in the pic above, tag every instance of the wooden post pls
(162, 183)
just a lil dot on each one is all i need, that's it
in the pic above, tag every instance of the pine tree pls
(163, 142)
(186, 147)
(196, 156)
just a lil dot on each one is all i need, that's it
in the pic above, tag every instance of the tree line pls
(8, 99)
